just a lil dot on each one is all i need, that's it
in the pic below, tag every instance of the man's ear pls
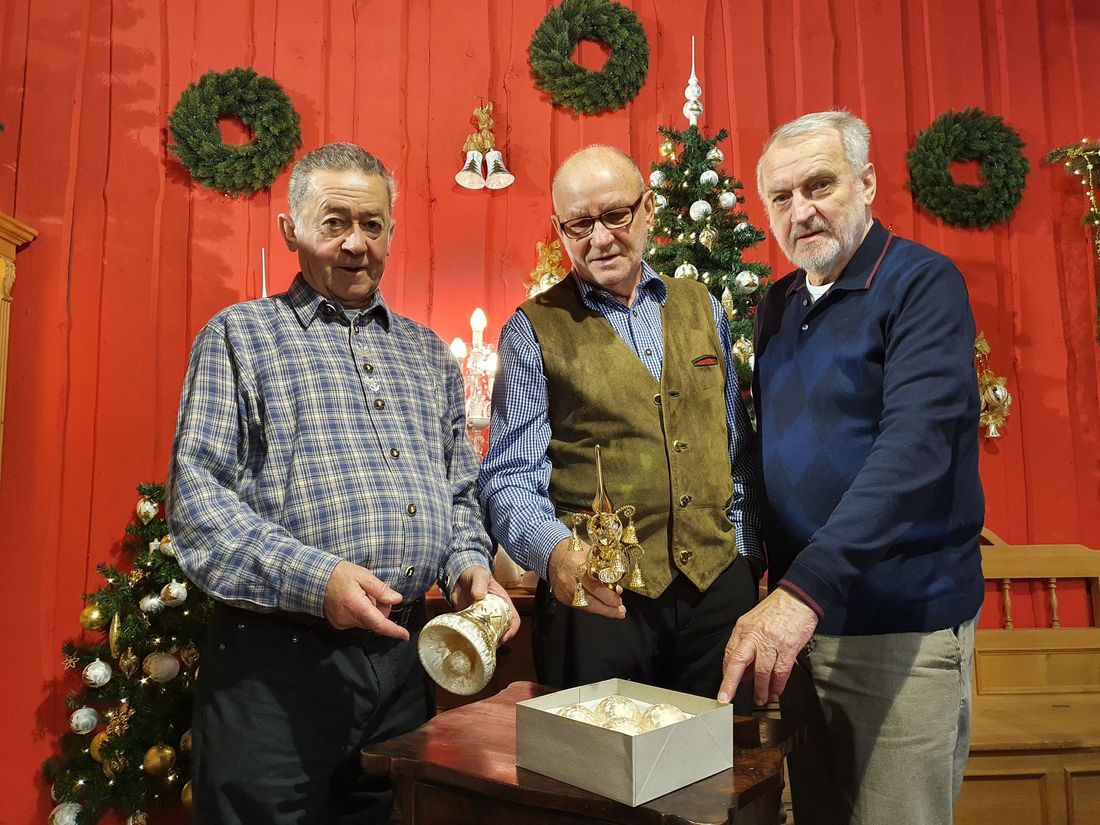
(870, 183)
(286, 228)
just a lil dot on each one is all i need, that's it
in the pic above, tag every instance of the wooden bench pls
(1035, 741)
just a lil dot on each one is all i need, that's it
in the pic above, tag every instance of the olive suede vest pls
(664, 445)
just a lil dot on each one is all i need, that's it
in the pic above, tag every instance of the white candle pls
(458, 349)
(478, 323)
(263, 272)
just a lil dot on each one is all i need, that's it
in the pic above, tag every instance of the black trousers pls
(675, 641)
(282, 711)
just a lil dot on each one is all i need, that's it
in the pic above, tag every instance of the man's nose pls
(802, 209)
(355, 243)
(601, 235)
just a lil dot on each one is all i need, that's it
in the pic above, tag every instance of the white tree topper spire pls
(693, 108)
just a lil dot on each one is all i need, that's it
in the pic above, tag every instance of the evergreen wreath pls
(574, 87)
(262, 106)
(968, 135)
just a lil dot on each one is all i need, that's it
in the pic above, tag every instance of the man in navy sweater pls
(868, 410)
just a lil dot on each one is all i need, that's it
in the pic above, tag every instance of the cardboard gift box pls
(629, 769)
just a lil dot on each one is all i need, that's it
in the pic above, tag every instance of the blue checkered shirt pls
(305, 437)
(515, 476)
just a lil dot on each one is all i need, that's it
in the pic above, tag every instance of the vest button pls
(685, 556)
(657, 399)
(685, 501)
(679, 446)
(805, 327)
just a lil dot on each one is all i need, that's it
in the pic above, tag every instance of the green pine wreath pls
(574, 87)
(262, 106)
(968, 135)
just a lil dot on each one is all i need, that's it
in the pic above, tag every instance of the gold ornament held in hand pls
(613, 549)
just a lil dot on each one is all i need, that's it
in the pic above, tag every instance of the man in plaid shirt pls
(321, 482)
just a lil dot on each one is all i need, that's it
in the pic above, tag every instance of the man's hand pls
(473, 584)
(562, 571)
(355, 597)
(771, 635)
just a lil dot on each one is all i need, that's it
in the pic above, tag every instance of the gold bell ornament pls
(459, 650)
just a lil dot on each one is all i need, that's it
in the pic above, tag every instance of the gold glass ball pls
(159, 759)
(114, 766)
(92, 617)
(185, 794)
(668, 149)
(96, 747)
(185, 741)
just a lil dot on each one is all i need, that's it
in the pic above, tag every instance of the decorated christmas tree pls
(700, 230)
(129, 743)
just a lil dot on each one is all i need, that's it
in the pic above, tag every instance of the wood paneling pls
(133, 258)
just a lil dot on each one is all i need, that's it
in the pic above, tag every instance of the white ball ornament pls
(165, 547)
(686, 270)
(161, 667)
(83, 720)
(661, 201)
(151, 604)
(709, 178)
(699, 210)
(715, 156)
(173, 594)
(65, 814)
(147, 510)
(748, 281)
(656, 178)
(97, 674)
(727, 200)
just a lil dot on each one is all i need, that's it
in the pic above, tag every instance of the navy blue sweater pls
(868, 409)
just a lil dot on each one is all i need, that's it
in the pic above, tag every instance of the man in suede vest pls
(639, 364)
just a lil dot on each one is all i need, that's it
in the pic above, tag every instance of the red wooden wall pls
(132, 258)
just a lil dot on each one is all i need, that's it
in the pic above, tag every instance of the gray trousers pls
(887, 722)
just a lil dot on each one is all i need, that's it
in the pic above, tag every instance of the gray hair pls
(602, 148)
(855, 137)
(334, 157)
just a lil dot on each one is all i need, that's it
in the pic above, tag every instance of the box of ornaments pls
(623, 740)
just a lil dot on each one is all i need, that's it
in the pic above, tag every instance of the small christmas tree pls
(128, 749)
(700, 230)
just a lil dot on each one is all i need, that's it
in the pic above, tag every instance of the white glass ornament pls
(661, 715)
(619, 707)
(656, 178)
(154, 546)
(147, 510)
(83, 720)
(97, 673)
(709, 178)
(580, 713)
(165, 547)
(623, 725)
(699, 210)
(173, 594)
(743, 227)
(686, 270)
(161, 667)
(748, 281)
(661, 201)
(715, 156)
(65, 814)
(151, 604)
(727, 200)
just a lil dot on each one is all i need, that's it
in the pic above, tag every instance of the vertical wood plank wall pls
(132, 258)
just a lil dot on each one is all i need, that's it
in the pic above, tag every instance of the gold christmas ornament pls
(93, 618)
(95, 749)
(173, 594)
(742, 350)
(458, 650)
(708, 237)
(159, 759)
(580, 713)
(686, 270)
(128, 663)
(185, 741)
(113, 766)
(69, 661)
(613, 550)
(668, 149)
(992, 390)
(549, 268)
(747, 281)
(715, 156)
(190, 654)
(619, 707)
(113, 633)
(627, 726)
(185, 794)
(138, 818)
(165, 547)
(727, 302)
(119, 720)
(661, 715)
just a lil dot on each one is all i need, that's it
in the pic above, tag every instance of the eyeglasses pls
(615, 218)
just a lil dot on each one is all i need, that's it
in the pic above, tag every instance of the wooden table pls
(460, 768)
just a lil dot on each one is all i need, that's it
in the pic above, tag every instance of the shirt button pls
(685, 556)
(395, 453)
(411, 509)
(379, 404)
(685, 501)
(648, 351)
(634, 313)
(805, 327)
(368, 367)
(409, 571)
